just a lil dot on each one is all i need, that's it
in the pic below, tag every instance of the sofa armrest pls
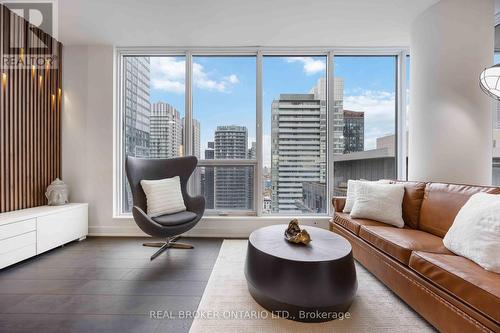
(338, 203)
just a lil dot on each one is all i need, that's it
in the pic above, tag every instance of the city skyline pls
(224, 88)
(296, 182)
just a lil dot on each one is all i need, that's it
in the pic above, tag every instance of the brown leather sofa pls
(451, 292)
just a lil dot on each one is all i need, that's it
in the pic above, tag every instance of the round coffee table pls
(312, 283)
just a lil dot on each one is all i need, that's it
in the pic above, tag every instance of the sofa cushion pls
(175, 219)
(412, 202)
(463, 278)
(442, 202)
(399, 243)
(351, 224)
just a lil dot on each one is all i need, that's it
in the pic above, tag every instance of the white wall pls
(87, 129)
(87, 137)
(450, 119)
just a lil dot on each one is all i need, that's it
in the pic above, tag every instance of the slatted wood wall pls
(30, 119)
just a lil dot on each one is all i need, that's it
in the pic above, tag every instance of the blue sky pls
(224, 89)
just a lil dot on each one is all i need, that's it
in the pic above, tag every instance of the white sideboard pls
(28, 232)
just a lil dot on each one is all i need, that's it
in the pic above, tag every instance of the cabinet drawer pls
(7, 259)
(17, 242)
(57, 229)
(17, 228)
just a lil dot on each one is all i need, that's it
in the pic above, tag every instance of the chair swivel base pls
(170, 243)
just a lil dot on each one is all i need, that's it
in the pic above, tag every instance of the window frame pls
(258, 52)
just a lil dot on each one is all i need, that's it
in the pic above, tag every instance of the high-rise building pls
(137, 106)
(231, 142)
(136, 72)
(252, 152)
(208, 178)
(298, 145)
(196, 138)
(195, 133)
(165, 131)
(314, 197)
(354, 131)
(196, 180)
(336, 122)
(210, 151)
(232, 190)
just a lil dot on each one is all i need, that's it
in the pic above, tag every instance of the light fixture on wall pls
(489, 81)
(4, 80)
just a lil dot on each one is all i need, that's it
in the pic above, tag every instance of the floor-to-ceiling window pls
(152, 110)
(365, 90)
(295, 134)
(276, 133)
(224, 132)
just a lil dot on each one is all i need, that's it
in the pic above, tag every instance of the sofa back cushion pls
(442, 202)
(412, 202)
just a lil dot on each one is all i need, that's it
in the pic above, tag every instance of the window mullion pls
(258, 196)
(188, 120)
(329, 130)
(401, 144)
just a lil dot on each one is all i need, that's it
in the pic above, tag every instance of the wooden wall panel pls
(30, 117)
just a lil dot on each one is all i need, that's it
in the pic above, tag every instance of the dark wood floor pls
(105, 285)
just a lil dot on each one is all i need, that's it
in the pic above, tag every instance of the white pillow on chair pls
(164, 196)
(379, 202)
(475, 232)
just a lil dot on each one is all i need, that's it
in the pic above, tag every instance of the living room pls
(250, 166)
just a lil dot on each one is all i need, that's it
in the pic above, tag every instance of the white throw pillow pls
(164, 196)
(350, 196)
(351, 192)
(380, 202)
(475, 232)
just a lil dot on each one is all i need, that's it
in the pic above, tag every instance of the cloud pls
(232, 79)
(379, 108)
(202, 80)
(169, 85)
(168, 74)
(311, 65)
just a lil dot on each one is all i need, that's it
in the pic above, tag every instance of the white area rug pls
(226, 305)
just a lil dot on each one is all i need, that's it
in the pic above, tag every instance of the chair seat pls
(175, 218)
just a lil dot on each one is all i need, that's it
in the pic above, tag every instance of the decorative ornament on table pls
(57, 193)
(294, 234)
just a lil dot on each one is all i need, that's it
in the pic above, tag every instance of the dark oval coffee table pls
(311, 283)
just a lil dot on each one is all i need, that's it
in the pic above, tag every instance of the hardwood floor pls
(105, 285)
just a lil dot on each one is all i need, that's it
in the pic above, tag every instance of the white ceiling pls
(238, 22)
